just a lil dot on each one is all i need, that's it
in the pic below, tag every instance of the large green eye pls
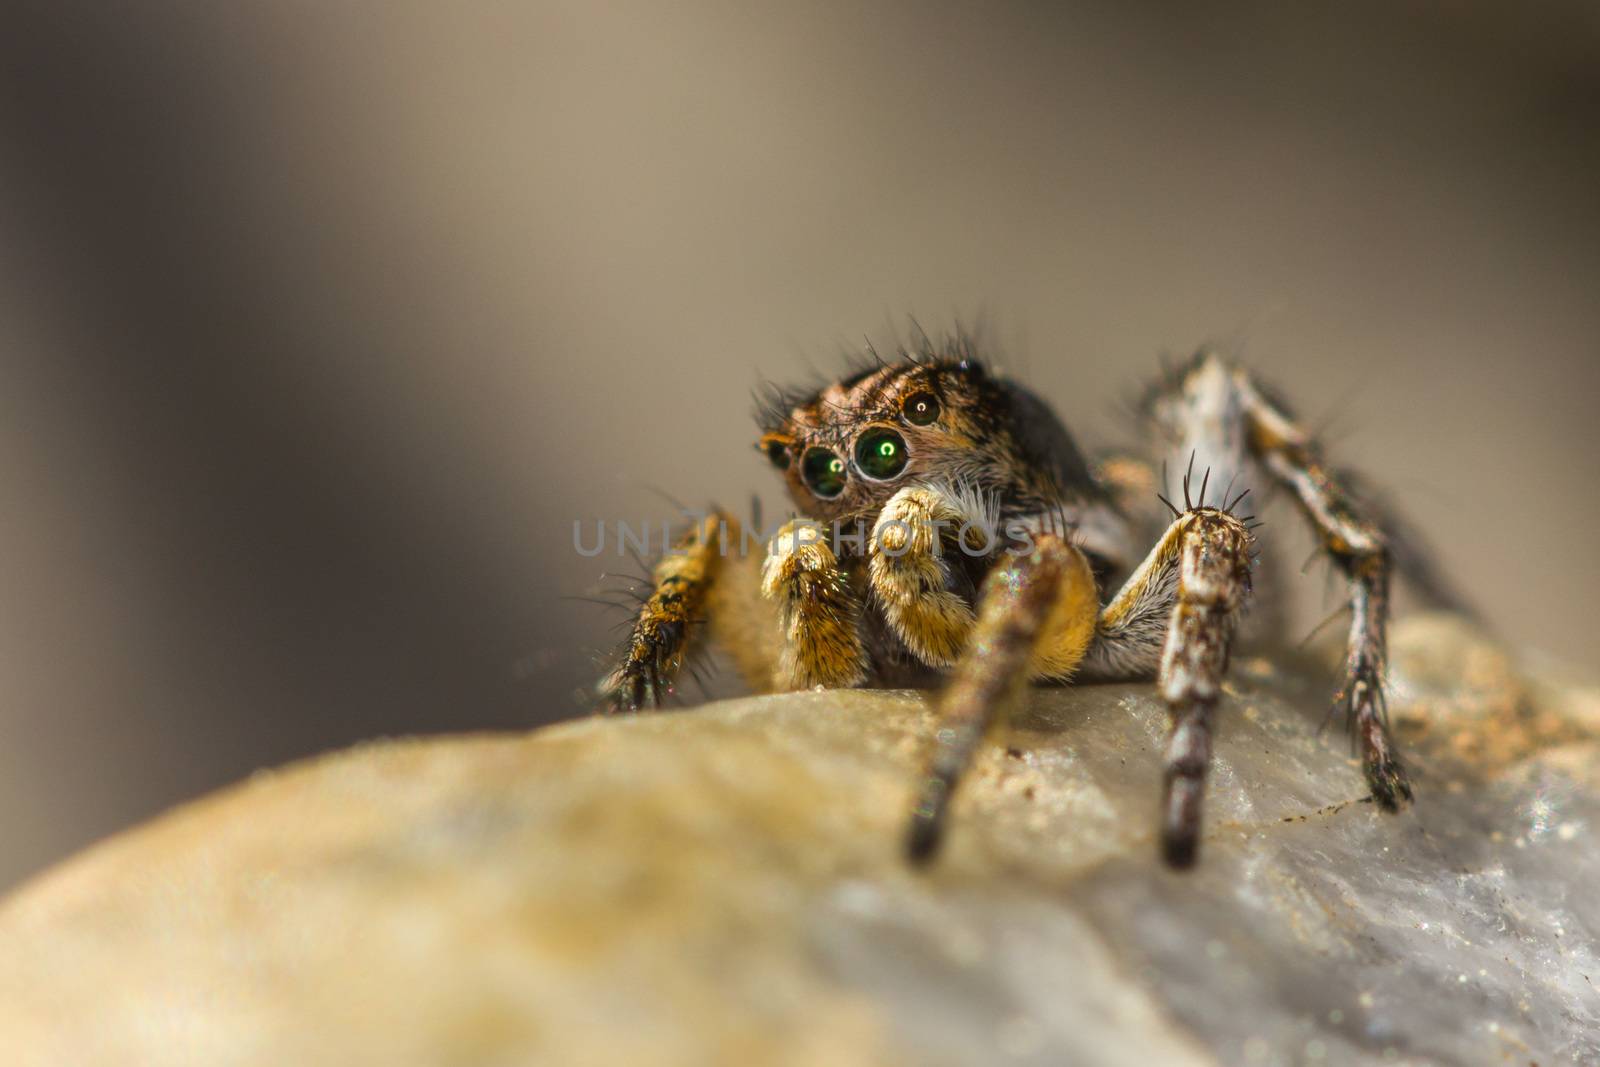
(881, 454)
(823, 472)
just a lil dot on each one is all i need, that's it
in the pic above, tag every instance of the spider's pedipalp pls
(911, 556)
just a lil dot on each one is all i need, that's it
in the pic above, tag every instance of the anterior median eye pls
(881, 454)
(823, 472)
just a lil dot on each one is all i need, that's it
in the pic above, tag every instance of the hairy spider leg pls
(1035, 618)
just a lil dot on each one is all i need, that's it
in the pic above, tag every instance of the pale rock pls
(725, 886)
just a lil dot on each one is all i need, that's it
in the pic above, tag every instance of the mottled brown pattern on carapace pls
(972, 434)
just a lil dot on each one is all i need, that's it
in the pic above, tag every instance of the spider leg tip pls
(1179, 850)
(923, 840)
(1391, 790)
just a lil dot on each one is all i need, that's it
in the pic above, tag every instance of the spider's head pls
(933, 417)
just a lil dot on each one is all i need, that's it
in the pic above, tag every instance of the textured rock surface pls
(723, 886)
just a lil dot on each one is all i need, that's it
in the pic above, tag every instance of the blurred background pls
(321, 324)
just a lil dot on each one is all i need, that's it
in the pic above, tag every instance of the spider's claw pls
(1368, 715)
(635, 686)
(1386, 775)
(1391, 788)
(922, 843)
(1180, 847)
(1184, 789)
(926, 831)
(618, 694)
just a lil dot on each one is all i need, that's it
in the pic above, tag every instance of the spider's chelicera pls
(997, 553)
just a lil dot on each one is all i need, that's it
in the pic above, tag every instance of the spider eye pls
(922, 408)
(881, 454)
(777, 454)
(823, 472)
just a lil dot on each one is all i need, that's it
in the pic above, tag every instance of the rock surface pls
(724, 886)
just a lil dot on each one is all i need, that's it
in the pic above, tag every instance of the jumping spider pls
(987, 553)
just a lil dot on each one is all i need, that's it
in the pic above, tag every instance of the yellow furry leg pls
(743, 622)
(1070, 626)
(1036, 616)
